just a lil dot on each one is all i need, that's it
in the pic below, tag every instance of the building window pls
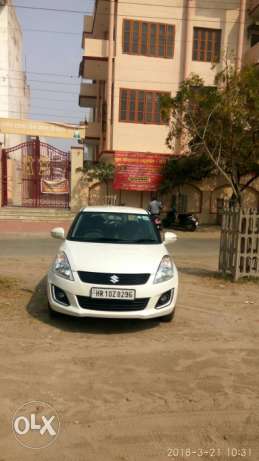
(206, 44)
(254, 39)
(253, 33)
(148, 39)
(138, 106)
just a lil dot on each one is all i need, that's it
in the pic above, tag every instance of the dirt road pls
(128, 390)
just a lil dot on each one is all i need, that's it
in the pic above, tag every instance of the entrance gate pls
(44, 174)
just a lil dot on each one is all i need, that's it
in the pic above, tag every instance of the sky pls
(53, 97)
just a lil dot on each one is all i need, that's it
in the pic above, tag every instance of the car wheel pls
(168, 318)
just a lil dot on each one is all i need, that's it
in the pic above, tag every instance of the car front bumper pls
(76, 288)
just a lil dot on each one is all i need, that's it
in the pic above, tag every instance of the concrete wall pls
(203, 196)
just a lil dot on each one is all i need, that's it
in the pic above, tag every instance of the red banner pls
(138, 171)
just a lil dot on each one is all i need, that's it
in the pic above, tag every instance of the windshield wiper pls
(109, 240)
(106, 240)
(145, 241)
(93, 240)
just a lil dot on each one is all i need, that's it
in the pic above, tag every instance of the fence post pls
(239, 244)
(222, 244)
(77, 161)
(237, 248)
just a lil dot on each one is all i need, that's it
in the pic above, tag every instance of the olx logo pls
(36, 425)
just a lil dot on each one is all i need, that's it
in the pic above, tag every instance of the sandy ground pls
(131, 390)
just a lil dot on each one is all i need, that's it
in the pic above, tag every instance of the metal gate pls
(44, 173)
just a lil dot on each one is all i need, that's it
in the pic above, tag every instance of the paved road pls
(193, 246)
(28, 246)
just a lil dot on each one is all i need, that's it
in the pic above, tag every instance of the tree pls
(181, 170)
(220, 124)
(102, 172)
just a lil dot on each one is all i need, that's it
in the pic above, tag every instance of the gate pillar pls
(77, 199)
(1, 183)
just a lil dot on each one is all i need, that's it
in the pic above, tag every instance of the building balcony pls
(97, 25)
(254, 8)
(93, 133)
(88, 95)
(252, 55)
(88, 28)
(88, 24)
(95, 47)
(94, 65)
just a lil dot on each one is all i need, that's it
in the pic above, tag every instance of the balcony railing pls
(93, 133)
(88, 95)
(95, 48)
(88, 24)
(94, 64)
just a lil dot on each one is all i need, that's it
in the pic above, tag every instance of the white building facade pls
(14, 93)
(14, 90)
(133, 52)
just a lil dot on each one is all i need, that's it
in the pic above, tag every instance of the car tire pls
(168, 318)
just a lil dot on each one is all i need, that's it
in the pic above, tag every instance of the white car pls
(113, 264)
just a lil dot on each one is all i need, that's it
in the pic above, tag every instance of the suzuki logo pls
(114, 279)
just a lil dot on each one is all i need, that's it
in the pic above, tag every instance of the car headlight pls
(62, 267)
(165, 271)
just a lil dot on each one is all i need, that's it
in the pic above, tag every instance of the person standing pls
(155, 206)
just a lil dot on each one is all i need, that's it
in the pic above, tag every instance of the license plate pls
(112, 293)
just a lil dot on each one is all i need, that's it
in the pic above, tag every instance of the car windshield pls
(108, 227)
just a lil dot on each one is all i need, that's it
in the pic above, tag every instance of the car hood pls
(110, 258)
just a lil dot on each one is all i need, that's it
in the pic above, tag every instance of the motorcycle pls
(181, 221)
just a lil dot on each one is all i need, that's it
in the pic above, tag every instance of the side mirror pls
(170, 237)
(58, 233)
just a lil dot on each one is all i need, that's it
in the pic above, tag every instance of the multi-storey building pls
(14, 94)
(134, 51)
(14, 90)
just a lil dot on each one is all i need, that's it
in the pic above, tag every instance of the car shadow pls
(37, 307)
(200, 272)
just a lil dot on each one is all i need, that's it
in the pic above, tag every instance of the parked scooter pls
(181, 221)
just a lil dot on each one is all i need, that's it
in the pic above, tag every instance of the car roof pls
(114, 209)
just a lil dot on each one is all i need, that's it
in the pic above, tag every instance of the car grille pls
(100, 278)
(110, 305)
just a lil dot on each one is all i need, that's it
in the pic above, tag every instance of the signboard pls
(45, 129)
(56, 186)
(138, 171)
